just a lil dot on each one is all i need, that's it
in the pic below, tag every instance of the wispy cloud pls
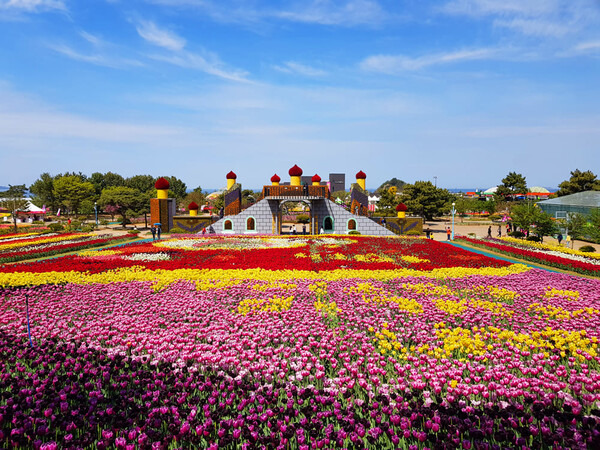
(322, 12)
(296, 68)
(209, 63)
(592, 46)
(395, 64)
(95, 58)
(33, 5)
(329, 12)
(543, 18)
(160, 37)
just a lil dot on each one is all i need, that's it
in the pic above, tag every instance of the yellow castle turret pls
(162, 188)
(361, 180)
(401, 210)
(295, 174)
(316, 180)
(275, 180)
(231, 177)
(193, 208)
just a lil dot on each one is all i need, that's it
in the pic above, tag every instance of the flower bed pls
(553, 259)
(247, 356)
(37, 246)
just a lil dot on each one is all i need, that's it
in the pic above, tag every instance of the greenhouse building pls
(581, 202)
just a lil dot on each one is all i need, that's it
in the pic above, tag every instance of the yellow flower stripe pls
(165, 277)
(553, 292)
(372, 257)
(461, 341)
(451, 306)
(494, 307)
(501, 294)
(48, 240)
(429, 288)
(92, 253)
(20, 236)
(405, 304)
(275, 304)
(558, 313)
(414, 259)
(556, 248)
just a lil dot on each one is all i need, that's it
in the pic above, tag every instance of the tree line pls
(110, 193)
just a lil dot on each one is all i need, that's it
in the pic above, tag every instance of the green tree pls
(579, 182)
(143, 183)
(342, 196)
(71, 190)
(512, 185)
(529, 216)
(43, 192)
(593, 227)
(575, 224)
(388, 200)
(424, 199)
(177, 188)
(14, 201)
(123, 200)
(102, 181)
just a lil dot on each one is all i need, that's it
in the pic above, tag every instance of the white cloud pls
(96, 59)
(328, 12)
(209, 64)
(544, 18)
(588, 46)
(296, 68)
(322, 12)
(160, 37)
(33, 5)
(394, 64)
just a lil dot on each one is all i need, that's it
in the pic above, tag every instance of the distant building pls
(337, 182)
(581, 202)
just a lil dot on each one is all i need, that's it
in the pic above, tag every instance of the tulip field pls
(304, 342)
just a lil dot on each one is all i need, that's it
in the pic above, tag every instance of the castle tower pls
(295, 174)
(401, 210)
(316, 180)
(193, 208)
(361, 178)
(231, 179)
(162, 208)
(275, 180)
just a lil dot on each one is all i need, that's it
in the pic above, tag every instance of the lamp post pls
(453, 211)
(96, 211)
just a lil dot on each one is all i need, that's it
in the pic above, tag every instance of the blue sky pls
(462, 90)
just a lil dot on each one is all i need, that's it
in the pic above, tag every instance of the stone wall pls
(265, 210)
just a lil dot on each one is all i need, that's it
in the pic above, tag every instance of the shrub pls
(177, 230)
(104, 222)
(87, 228)
(587, 249)
(133, 232)
(38, 222)
(516, 234)
(303, 218)
(534, 239)
(354, 232)
(413, 233)
(56, 227)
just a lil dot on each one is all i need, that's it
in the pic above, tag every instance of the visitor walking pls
(448, 233)
(559, 238)
(303, 229)
(490, 231)
(499, 230)
(158, 231)
(203, 231)
(153, 231)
